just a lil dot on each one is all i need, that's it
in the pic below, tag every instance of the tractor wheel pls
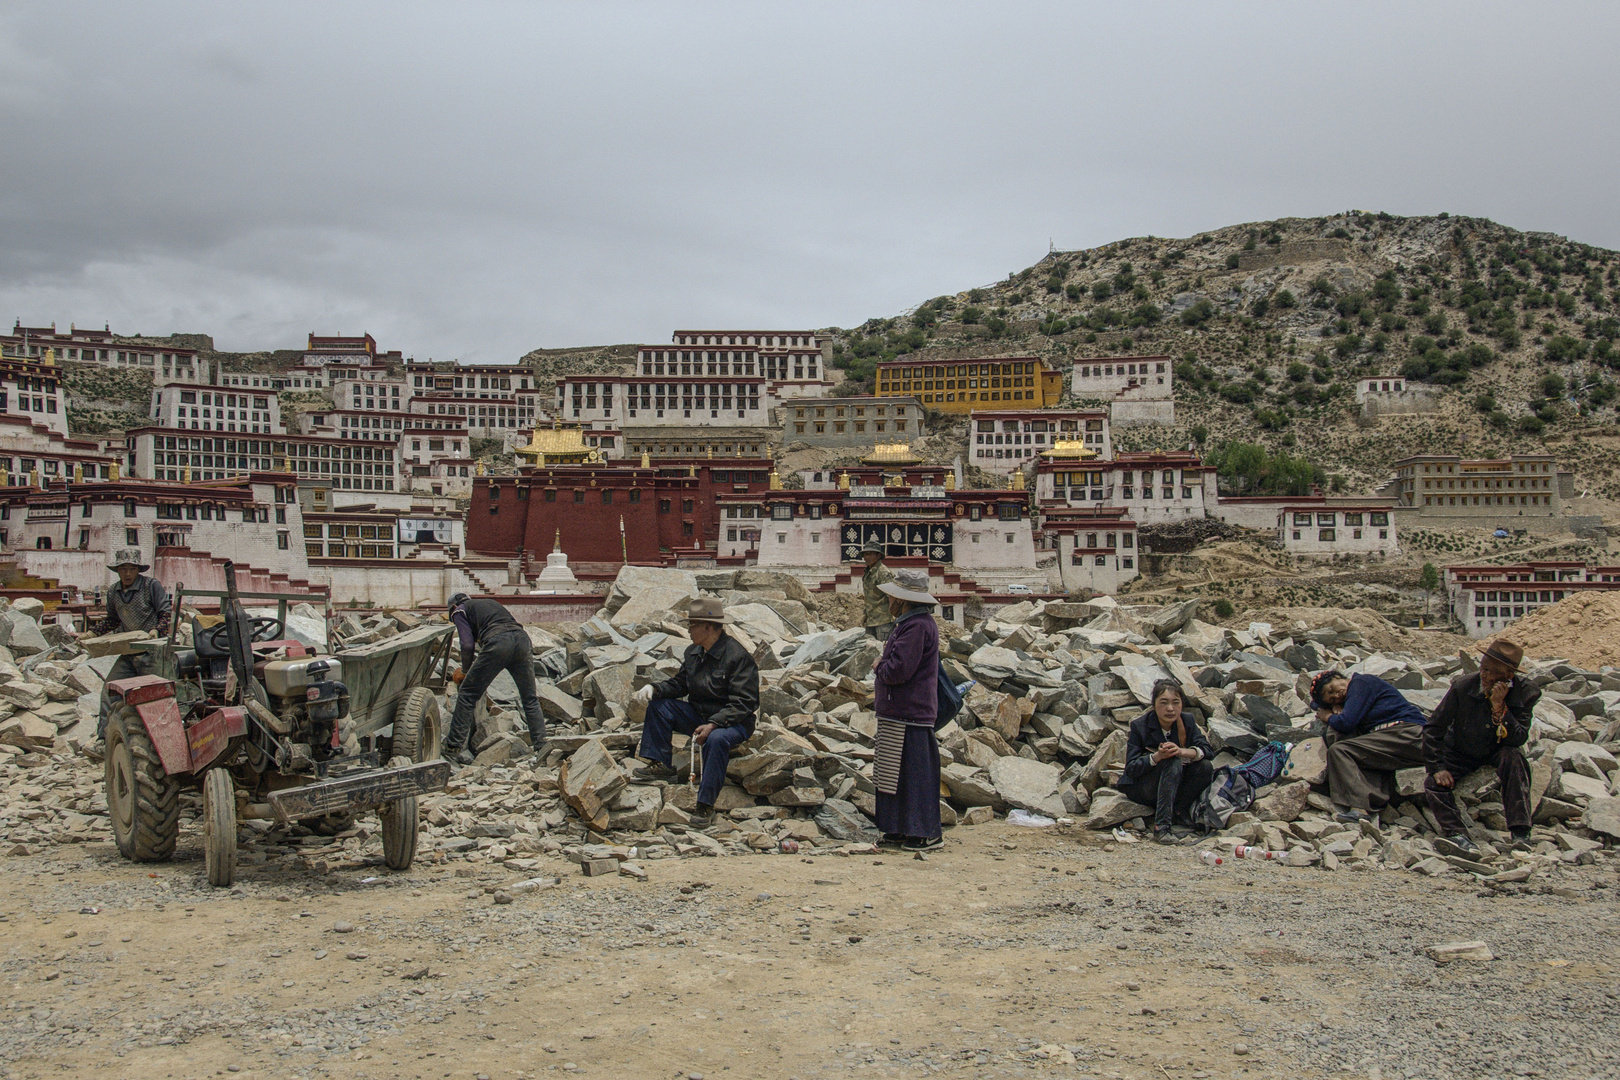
(399, 825)
(219, 827)
(417, 726)
(143, 801)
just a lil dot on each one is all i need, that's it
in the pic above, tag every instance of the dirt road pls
(1011, 953)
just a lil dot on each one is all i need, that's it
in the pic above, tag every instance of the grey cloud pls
(476, 180)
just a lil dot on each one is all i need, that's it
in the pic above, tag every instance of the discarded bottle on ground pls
(1209, 858)
(1242, 852)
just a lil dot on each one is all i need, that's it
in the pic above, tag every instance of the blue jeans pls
(666, 716)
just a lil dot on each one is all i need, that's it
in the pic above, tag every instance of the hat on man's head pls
(1319, 683)
(128, 557)
(909, 585)
(872, 547)
(457, 599)
(706, 609)
(1506, 653)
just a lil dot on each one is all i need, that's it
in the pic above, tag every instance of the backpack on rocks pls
(1234, 786)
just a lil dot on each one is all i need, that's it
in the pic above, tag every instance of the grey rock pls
(1028, 785)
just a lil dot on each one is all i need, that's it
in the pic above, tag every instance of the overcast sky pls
(475, 180)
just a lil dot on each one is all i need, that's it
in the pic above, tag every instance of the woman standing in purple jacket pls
(907, 704)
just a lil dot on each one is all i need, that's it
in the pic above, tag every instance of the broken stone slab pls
(650, 604)
(1028, 785)
(968, 785)
(1603, 816)
(24, 695)
(559, 706)
(26, 638)
(1307, 761)
(840, 820)
(1110, 807)
(114, 644)
(588, 780)
(1571, 783)
(1585, 758)
(637, 808)
(1458, 950)
(1285, 803)
(632, 580)
(798, 796)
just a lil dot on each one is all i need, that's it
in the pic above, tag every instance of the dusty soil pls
(1583, 629)
(1010, 952)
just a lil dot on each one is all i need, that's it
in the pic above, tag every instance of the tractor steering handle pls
(262, 628)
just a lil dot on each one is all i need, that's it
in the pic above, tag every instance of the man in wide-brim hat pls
(135, 603)
(1483, 721)
(719, 683)
(906, 699)
(875, 616)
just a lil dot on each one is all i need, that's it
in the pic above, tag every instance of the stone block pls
(588, 780)
(1028, 785)
(1307, 761)
(1110, 807)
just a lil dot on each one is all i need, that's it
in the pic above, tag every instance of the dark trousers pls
(913, 809)
(1361, 769)
(125, 667)
(665, 717)
(1512, 771)
(1170, 787)
(509, 652)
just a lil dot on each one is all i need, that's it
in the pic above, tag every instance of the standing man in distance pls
(876, 618)
(1484, 719)
(720, 684)
(491, 642)
(135, 603)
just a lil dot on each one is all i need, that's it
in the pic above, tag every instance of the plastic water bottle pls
(1209, 858)
(1243, 852)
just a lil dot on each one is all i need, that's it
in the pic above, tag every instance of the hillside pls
(1271, 322)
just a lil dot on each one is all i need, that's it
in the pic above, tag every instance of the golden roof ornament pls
(776, 480)
(895, 453)
(843, 481)
(1071, 448)
(112, 472)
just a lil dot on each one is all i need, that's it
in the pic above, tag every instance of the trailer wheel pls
(399, 825)
(417, 726)
(143, 801)
(219, 827)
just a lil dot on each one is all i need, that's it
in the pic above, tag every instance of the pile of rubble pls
(1043, 729)
(1054, 686)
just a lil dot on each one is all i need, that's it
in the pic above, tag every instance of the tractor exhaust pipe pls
(239, 632)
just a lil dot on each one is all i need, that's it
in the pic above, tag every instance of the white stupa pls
(556, 571)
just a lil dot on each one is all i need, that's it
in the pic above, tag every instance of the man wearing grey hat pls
(876, 617)
(720, 684)
(135, 603)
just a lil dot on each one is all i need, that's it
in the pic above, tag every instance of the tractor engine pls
(311, 700)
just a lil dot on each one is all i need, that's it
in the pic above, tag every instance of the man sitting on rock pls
(1484, 719)
(1372, 728)
(720, 683)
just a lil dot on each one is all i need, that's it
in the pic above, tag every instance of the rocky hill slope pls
(1271, 322)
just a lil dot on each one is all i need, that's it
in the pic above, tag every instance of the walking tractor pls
(267, 729)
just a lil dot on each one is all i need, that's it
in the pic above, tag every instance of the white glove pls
(642, 696)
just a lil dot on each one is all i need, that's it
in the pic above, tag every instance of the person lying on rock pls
(1484, 720)
(1372, 730)
(720, 684)
(1166, 761)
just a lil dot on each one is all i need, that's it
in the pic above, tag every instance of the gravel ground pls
(1010, 953)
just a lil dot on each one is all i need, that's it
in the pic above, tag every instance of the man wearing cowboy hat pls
(1483, 720)
(720, 684)
(876, 618)
(135, 603)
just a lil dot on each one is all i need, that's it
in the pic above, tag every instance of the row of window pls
(767, 340)
(1521, 482)
(839, 426)
(1329, 536)
(1089, 371)
(1329, 518)
(799, 412)
(1523, 500)
(1518, 466)
(1079, 555)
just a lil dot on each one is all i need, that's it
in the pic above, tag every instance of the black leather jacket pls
(721, 683)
